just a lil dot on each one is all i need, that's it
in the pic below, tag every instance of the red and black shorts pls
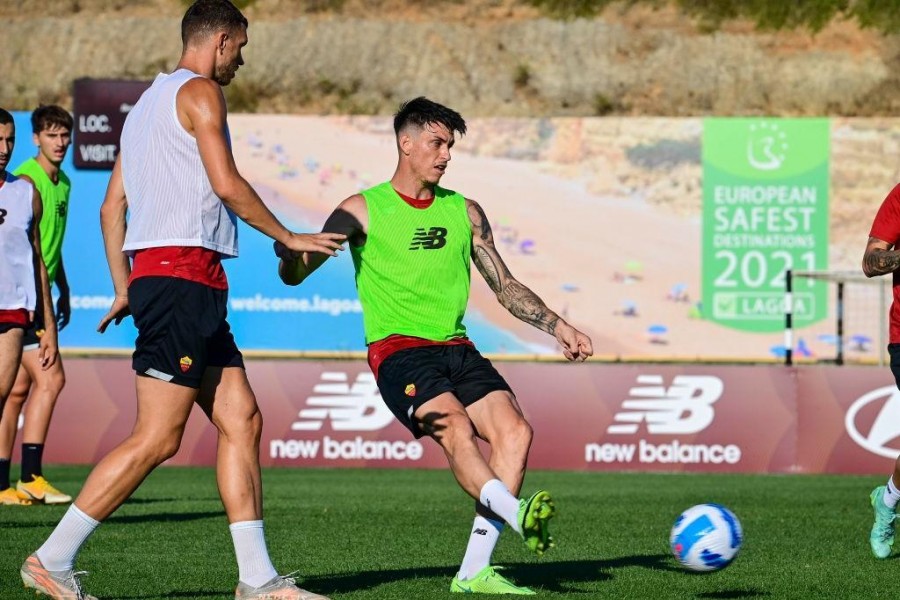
(13, 319)
(409, 378)
(182, 329)
(33, 332)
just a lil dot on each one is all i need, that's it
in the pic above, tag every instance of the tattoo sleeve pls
(880, 261)
(520, 301)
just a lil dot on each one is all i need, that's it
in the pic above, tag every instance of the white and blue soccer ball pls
(706, 537)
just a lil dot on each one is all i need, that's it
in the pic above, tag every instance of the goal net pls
(856, 327)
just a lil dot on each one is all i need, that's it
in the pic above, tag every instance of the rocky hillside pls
(484, 57)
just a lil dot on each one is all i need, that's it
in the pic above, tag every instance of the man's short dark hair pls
(421, 111)
(206, 17)
(6, 117)
(47, 116)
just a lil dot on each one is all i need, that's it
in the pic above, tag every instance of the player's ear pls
(405, 142)
(221, 40)
(36, 138)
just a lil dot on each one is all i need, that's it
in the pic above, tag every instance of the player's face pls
(53, 143)
(229, 57)
(430, 152)
(7, 142)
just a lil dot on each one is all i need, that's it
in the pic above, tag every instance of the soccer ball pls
(706, 537)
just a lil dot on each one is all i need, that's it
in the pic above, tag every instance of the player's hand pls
(575, 345)
(48, 349)
(326, 243)
(63, 311)
(118, 311)
(285, 253)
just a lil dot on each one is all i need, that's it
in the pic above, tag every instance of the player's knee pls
(52, 384)
(20, 389)
(244, 428)
(166, 449)
(515, 438)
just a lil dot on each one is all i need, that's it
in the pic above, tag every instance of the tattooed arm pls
(879, 258)
(515, 297)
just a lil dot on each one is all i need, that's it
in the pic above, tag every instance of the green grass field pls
(390, 534)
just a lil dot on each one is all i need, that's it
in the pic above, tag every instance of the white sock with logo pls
(254, 565)
(482, 540)
(891, 493)
(59, 551)
(495, 495)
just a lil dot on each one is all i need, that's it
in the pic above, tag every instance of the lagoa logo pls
(886, 426)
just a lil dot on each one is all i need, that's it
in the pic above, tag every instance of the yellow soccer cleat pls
(40, 490)
(13, 497)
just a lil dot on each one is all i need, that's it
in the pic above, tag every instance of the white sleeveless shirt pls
(170, 198)
(17, 277)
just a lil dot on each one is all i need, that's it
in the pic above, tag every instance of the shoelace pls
(76, 584)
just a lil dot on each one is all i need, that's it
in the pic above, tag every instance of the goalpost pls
(859, 309)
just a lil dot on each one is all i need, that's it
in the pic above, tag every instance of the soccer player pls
(176, 176)
(24, 286)
(52, 132)
(880, 258)
(412, 243)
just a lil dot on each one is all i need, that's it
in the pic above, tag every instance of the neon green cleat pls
(882, 537)
(533, 516)
(488, 581)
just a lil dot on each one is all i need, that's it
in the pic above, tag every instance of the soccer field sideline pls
(399, 534)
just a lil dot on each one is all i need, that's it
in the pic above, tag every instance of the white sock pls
(891, 493)
(59, 551)
(254, 566)
(497, 498)
(482, 540)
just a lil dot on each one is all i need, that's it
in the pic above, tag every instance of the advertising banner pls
(743, 419)
(765, 210)
(100, 107)
(620, 225)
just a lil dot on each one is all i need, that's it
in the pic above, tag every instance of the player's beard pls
(225, 73)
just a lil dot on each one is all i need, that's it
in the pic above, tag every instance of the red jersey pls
(886, 228)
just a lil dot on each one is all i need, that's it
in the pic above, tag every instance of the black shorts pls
(4, 327)
(181, 329)
(409, 378)
(894, 352)
(33, 332)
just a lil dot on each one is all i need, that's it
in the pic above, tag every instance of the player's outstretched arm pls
(880, 258)
(48, 348)
(348, 219)
(113, 226)
(201, 111)
(516, 297)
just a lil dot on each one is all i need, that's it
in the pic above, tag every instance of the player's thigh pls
(163, 408)
(10, 355)
(443, 415)
(31, 364)
(496, 414)
(227, 398)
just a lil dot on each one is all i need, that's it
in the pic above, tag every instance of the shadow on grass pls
(197, 594)
(165, 517)
(549, 576)
(732, 594)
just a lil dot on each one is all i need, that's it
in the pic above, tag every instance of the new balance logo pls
(480, 531)
(434, 238)
(356, 407)
(683, 407)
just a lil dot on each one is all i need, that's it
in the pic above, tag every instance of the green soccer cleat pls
(882, 536)
(533, 516)
(488, 581)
